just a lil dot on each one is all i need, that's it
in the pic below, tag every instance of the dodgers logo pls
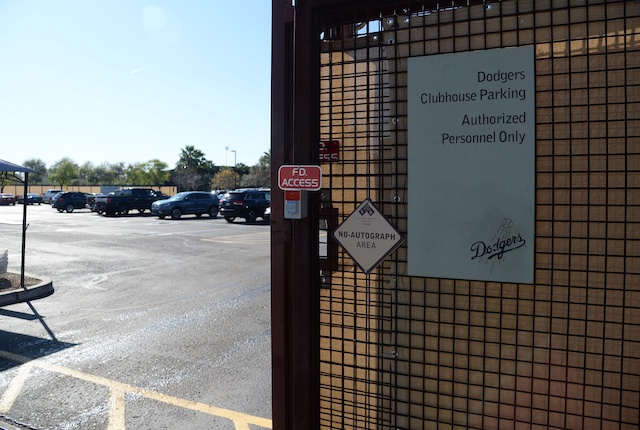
(504, 241)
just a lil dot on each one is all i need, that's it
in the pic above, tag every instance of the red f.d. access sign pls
(300, 178)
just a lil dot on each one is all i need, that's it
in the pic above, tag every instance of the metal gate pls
(392, 351)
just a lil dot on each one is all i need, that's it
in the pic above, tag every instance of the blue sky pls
(130, 81)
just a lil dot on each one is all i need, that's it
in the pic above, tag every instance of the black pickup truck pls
(121, 202)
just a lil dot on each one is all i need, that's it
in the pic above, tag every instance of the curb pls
(38, 291)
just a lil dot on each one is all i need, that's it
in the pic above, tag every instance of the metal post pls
(24, 226)
(235, 169)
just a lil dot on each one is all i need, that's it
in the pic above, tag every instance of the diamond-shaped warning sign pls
(367, 236)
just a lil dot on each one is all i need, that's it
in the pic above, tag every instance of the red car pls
(7, 199)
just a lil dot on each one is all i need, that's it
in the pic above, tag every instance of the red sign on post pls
(300, 178)
(329, 151)
(292, 195)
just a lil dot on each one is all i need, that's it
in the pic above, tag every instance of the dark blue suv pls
(188, 202)
(69, 201)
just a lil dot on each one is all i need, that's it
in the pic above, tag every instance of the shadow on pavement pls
(16, 348)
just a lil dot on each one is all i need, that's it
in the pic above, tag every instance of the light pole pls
(226, 152)
(235, 166)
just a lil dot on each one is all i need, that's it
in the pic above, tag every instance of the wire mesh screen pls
(400, 352)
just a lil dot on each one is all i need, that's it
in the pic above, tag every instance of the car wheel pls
(161, 216)
(213, 212)
(251, 216)
(69, 208)
(123, 209)
(176, 213)
(60, 210)
(229, 218)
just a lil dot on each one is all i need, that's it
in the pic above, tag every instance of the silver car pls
(48, 195)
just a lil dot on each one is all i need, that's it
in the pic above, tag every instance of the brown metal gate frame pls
(295, 331)
(407, 352)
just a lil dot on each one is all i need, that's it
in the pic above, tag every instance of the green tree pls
(6, 178)
(39, 166)
(135, 174)
(191, 158)
(100, 174)
(242, 169)
(259, 175)
(207, 170)
(109, 174)
(193, 171)
(157, 172)
(91, 174)
(63, 172)
(85, 173)
(117, 172)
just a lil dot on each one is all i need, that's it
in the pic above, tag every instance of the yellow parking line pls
(14, 388)
(117, 392)
(116, 409)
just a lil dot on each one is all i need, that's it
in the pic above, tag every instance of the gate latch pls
(390, 354)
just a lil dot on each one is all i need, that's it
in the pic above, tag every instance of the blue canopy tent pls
(10, 168)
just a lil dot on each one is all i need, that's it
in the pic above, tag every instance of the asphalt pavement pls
(153, 323)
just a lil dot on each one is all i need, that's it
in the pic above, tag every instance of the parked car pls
(32, 199)
(55, 197)
(267, 214)
(69, 201)
(249, 204)
(222, 197)
(7, 199)
(91, 201)
(187, 202)
(121, 202)
(220, 193)
(48, 195)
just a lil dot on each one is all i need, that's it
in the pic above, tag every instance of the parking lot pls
(153, 323)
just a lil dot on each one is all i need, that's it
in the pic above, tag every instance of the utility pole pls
(235, 169)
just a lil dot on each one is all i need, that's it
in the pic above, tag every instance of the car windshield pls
(179, 196)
